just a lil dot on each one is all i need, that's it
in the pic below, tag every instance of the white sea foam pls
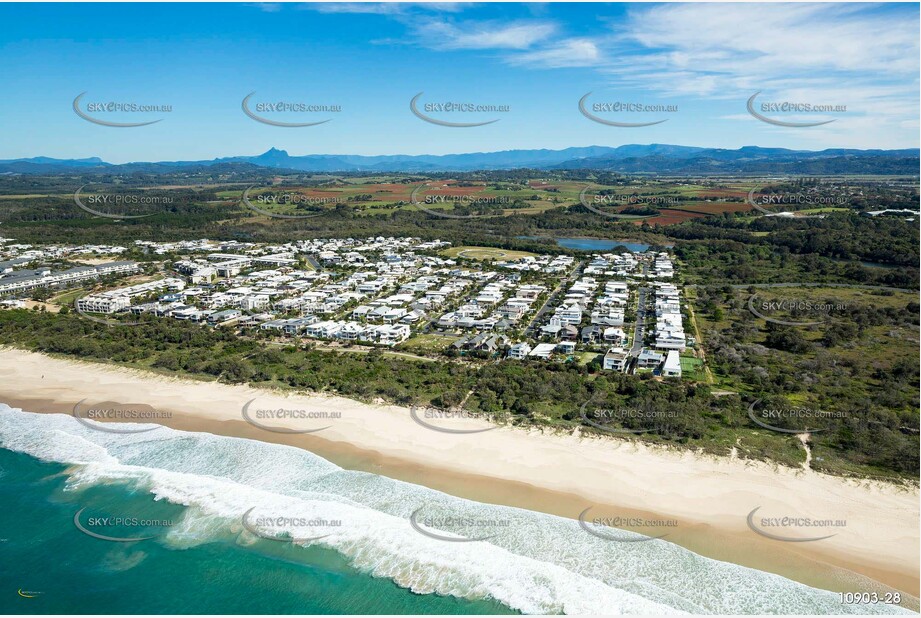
(535, 563)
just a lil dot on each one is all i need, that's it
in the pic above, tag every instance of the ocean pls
(166, 521)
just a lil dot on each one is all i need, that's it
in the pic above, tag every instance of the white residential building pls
(672, 366)
(519, 351)
(616, 359)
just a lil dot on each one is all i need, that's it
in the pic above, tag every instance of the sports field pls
(485, 253)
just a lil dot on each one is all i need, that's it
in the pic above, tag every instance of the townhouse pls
(24, 280)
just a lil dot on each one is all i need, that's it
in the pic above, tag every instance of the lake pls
(592, 244)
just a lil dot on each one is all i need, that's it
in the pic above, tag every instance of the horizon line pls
(452, 154)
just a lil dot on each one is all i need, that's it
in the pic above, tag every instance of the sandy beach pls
(875, 537)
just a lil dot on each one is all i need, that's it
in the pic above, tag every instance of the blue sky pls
(371, 59)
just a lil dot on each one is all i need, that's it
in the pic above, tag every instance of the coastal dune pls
(872, 543)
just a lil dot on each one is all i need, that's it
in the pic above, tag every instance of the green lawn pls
(485, 253)
(68, 298)
(689, 368)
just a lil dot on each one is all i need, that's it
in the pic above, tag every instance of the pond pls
(592, 244)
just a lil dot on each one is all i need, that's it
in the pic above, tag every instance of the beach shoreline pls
(709, 497)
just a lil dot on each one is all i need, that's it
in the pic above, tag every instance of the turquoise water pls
(44, 555)
(594, 244)
(358, 553)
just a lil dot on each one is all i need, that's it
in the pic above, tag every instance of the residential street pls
(639, 327)
(563, 282)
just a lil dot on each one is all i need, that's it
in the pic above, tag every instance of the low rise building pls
(672, 366)
(616, 359)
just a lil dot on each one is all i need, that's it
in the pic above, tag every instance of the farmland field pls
(650, 201)
(670, 217)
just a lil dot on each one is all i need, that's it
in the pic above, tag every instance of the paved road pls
(313, 262)
(540, 312)
(639, 326)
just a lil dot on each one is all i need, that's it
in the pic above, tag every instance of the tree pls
(786, 338)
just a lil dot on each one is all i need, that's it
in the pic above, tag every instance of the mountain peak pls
(628, 158)
(274, 152)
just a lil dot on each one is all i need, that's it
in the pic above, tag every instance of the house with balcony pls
(222, 317)
(569, 314)
(649, 359)
(615, 359)
(519, 351)
(615, 336)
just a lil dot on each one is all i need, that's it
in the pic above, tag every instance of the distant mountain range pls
(632, 158)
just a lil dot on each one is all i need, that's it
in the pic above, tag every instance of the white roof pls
(672, 361)
(542, 349)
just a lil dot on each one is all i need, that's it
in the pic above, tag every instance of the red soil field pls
(391, 192)
(669, 217)
(715, 208)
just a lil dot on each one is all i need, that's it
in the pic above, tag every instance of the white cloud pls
(482, 35)
(790, 37)
(762, 45)
(371, 8)
(267, 7)
(568, 53)
(385, 8)
(863, 56)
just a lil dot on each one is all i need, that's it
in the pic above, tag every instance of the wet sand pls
(709, 498)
